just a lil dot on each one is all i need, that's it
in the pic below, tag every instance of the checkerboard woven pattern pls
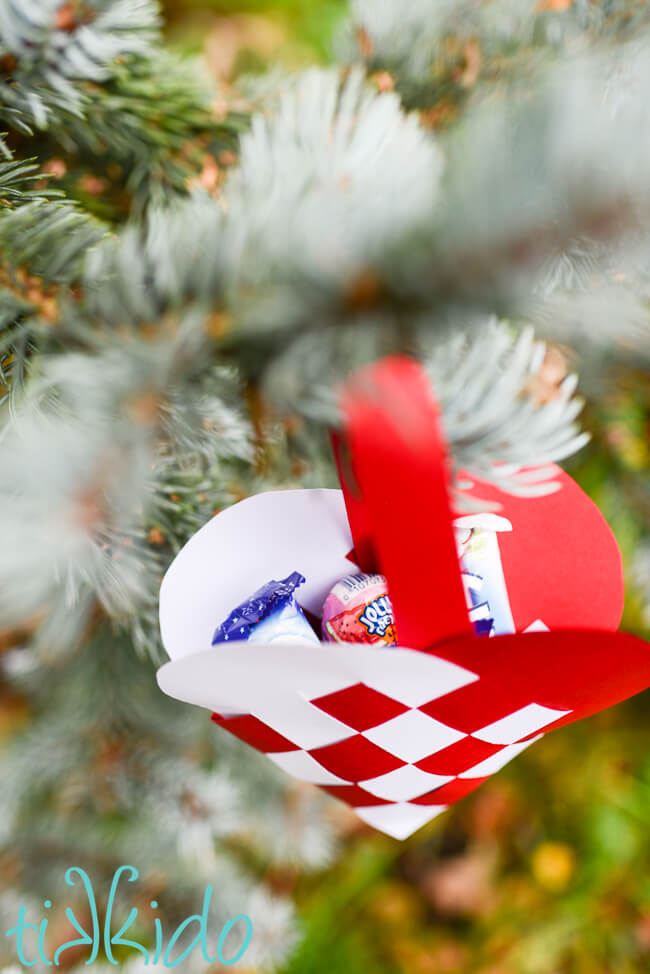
(401, 755)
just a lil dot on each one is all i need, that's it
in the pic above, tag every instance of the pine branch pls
(334, 155)
(607, 321)
(533, 173)
(43, 242)
(154, 121)
(498, 423)
(17, 177)
(151, 112)
(115, 440)
(174, 258)
(50, 239)
(47, 45)
(519, 189)
(442, 53)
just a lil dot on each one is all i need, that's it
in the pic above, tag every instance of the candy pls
(270, 615)
(482, 574)
(359, 610)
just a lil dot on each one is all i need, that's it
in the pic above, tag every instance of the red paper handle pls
(398, 503)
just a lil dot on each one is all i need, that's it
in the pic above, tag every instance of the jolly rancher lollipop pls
(359, 610)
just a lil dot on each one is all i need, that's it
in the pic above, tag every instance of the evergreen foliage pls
(183, 282)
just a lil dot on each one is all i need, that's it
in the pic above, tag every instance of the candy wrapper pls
(270, 615)
(482, 576)
(403, 732)
(359, 610)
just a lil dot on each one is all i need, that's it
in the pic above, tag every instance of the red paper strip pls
(580, 671)
(399, 514)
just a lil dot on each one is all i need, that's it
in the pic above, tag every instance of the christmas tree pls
(188, 271)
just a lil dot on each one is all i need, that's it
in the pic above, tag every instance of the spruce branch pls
(608, 321)
(496, 424)
(17, 177)
(43, 241)
(151, 112)
(518, 190)
(530, 174)
(174, 258)
(113, 441)
(154, 120)
(55, 42)
(49, 48)
(48, 239)
(324, 181)
(441, 54)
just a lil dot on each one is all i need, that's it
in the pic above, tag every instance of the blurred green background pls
(240, 36)
(546, 869)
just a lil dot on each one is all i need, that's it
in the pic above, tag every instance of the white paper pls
(266, 536)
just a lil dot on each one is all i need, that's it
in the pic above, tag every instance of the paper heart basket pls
(401, 733)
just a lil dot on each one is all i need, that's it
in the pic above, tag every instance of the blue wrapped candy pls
(270, 615)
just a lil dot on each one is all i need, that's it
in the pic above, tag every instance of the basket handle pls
(394, 474)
